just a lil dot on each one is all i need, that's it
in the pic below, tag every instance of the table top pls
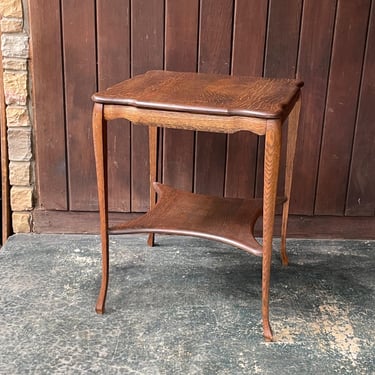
(203, 93)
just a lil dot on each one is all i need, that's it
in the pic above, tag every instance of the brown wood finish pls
(228, 220)
(332, 227)
(291, 141)
(214, 94)
(80, 75)
(214, 57)
(153, 174)
(181, 54)
(281, 55)
(280, 60)
(113, 55)
(50, 151)
(100, 146)
(225, 219)
(271, 172)
(274, 38)
(147, 36)
(186, 121)
(249, 38)
(314, 58)
(361, 191)
(341, 106)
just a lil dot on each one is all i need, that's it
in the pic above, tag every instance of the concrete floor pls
(188, 306)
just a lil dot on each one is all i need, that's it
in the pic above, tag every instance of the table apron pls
(186, 120)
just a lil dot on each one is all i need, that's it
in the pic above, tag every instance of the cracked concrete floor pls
(187, 306)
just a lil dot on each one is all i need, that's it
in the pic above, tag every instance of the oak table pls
(210, 103)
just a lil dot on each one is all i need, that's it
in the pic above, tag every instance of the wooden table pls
(211, 103)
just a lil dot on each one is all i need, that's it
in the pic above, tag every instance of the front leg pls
(271, 171)
(100, 147)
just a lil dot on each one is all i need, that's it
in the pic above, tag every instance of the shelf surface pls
(228, 220)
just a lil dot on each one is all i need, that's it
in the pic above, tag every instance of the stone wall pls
(15, 53)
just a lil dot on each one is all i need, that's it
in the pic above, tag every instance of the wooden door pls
(83, 46)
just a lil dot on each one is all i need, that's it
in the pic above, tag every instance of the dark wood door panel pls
(314, 58)
(91, 45)
(79, 46)
(181, 54)
(113, 56)
(341, 106)
(147, 41)
(215, 40)
(281, 57)
(48, 103)
(361, 191)
(249, 40)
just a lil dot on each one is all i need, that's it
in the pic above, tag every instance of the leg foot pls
(284, 255)
(99, 308)
(151, 240)
(267, 331)
(100, 302)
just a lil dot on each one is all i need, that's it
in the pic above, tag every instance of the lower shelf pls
(228, 220)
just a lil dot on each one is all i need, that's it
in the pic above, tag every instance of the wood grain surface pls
(328, 44)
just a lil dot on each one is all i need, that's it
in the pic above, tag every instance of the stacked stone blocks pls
(15, 53)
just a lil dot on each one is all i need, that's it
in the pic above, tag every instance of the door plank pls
(214, 57)
(147, 33)
(249, 32)
(198, 36)
(341, 106)
(80, 83)
(181, 41)
(314, 58)
(113, 46)
(361, 191)
(48, 103)
(281, 62)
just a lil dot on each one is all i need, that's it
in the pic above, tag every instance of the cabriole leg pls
(100, 148)
(291, 148)
(271, 170)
